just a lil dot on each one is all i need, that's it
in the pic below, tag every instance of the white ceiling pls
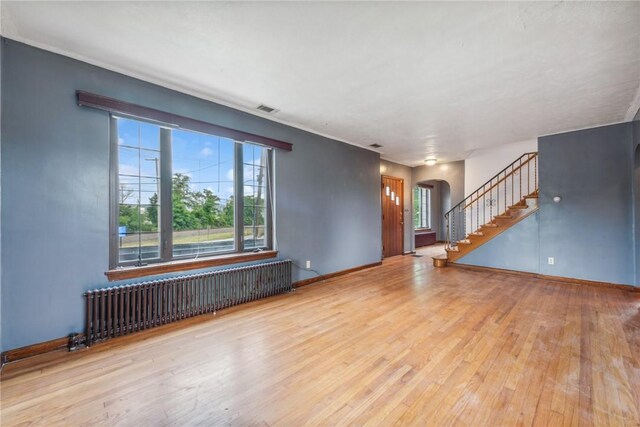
(420, 79)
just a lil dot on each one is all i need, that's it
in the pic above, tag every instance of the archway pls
(431, 199)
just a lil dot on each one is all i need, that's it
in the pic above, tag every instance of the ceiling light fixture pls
(430, 162)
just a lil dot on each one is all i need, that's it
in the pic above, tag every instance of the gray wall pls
(636, 191)
(443, 177)
(515, 249)
(452, 173)
(445, 197)
(589, 231)
(401, 171)
(55, 182)
(437, 207)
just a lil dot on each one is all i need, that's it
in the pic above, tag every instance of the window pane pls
(133, 133)
(427, 210)
(149, 136)
(138, 183)
(255, 195)
(416, 207)
(149, 164)
(254, 215)
(254, 237)
(145, 245)
(202, 189)
(421, 207)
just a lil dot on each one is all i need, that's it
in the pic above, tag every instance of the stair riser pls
(501, 218)
(489, 232)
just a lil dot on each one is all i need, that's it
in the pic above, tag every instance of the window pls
(421, 207)
(138, 183)
(202, 194)
(255, 169)
(184, 194)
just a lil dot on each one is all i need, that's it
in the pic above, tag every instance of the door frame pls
(402, 218)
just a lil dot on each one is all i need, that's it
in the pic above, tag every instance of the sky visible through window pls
(202, 169)
(207, 163)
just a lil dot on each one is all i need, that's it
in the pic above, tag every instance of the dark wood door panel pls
(392, 196)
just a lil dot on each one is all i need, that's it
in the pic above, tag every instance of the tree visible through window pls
(421, 207)
(138, 183)
(178, 194)
(202, 193)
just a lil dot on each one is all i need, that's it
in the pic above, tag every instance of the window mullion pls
(239, 198)
(114, 236)
(424, 207)
(268, 224)
(428, 214)
(166, 202)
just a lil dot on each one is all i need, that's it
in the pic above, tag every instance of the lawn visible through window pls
(177, 195)
(203, 194)
(139, 180)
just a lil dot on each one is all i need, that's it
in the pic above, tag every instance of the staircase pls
(506, 199)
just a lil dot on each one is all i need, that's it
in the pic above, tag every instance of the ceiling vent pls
(375, 145)
(267, 109)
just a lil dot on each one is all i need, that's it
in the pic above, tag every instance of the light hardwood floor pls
(400, 344)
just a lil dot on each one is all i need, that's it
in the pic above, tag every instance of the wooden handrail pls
(456, 219)
(530, 156)
(513, 171)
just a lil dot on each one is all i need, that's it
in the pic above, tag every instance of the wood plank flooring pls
(399, 344)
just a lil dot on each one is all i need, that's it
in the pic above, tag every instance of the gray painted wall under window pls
(55, 194)
(590, 232)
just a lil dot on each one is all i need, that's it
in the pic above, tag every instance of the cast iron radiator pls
(122, 310)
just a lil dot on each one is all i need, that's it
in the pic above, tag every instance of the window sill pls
(184, 265)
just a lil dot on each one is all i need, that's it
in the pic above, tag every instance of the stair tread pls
(505, 216)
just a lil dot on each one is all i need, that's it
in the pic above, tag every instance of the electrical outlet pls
(551, 260)
(308, 264)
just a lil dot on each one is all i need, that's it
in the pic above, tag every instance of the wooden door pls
(392, 216)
